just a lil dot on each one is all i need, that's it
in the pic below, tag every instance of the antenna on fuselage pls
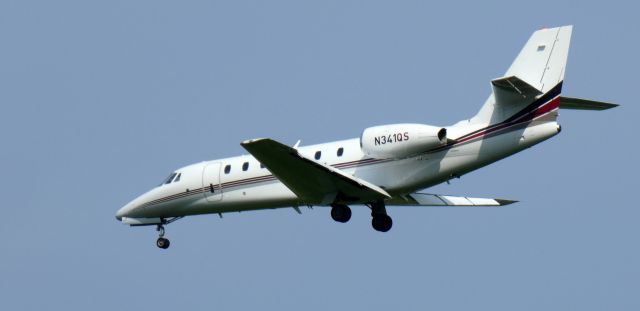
(297, 144)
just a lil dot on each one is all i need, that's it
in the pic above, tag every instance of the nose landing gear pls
(162, 242)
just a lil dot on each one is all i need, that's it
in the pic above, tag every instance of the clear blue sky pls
(101, 99)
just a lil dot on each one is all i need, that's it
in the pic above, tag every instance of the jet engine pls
(401, 140)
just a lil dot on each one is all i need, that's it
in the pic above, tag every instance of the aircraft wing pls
(426, 199)
(311, 181)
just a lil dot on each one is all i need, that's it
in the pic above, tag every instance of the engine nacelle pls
(401, 140)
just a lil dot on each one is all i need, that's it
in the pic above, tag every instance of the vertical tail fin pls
(539, 68)
(542, 61)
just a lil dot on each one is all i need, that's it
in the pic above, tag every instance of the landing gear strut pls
(340, 212)
(380, 221)
(162, 242)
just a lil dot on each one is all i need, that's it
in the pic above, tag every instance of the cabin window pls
(177, 178)
(261, 165)
(318, 155)
(340, 151)
(227, 169)
(245, 166)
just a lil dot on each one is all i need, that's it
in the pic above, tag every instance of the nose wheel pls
(162, 242)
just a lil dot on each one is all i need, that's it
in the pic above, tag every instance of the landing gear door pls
(211, 182)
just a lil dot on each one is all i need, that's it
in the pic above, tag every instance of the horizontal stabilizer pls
(426, 199)
(584, 104)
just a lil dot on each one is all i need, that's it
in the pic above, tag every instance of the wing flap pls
(427, 199)
(311, 181)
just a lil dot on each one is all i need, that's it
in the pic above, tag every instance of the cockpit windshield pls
(169, 179)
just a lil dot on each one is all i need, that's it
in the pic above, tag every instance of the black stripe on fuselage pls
(555, 91)
(252, 180)
(523, 116)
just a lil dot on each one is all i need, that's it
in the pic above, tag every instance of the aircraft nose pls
(123, 211)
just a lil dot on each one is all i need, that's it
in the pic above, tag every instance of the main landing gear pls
(380, 221)
(340, 212)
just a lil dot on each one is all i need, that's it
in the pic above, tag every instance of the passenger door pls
(211, 182)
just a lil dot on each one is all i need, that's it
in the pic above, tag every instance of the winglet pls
(503, 202)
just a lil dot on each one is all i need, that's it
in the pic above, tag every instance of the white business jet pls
(387, 165)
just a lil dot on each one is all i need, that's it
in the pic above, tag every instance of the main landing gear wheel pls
(382, 222)
(340, 213)
(162, 242)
